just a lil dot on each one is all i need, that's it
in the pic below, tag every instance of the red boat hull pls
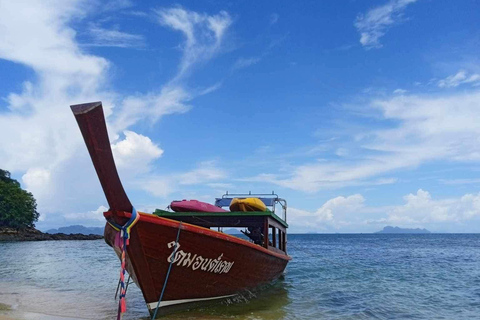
(207, 265)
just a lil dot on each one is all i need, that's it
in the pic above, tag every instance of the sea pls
(331, 276)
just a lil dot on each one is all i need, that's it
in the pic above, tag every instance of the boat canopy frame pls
(273, 228)
(269, 199)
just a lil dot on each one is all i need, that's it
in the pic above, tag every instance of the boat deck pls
(214, 219)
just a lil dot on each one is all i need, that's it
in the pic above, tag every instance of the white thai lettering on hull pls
(195, 262)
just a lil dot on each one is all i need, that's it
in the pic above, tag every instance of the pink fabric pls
(118, 240)
(194, 206)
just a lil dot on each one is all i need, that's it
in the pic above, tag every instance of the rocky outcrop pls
(32, 234)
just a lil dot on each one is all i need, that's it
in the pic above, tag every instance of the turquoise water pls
(432, 276)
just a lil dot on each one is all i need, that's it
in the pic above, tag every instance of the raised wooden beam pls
(91, 120)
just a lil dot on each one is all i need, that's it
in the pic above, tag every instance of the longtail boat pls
(179, 258)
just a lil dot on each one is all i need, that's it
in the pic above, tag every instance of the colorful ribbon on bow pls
(125, 236)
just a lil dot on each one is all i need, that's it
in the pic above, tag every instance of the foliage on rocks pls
(18, 207)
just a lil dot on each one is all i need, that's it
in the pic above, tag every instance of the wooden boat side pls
(152, 243)
(194, 228)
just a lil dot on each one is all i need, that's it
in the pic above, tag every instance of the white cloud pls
(95, 215)
(39, 130)
(374, 24)
(159, 186)
(44, 24)
(341, 152)
(38, 181)
(399, 91)
(206, 173)
(420, 209)
(461, 77)
(339, 205)
(334, 213)
(102, 37)
(135, 152)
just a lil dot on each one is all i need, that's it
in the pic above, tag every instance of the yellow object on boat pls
(247, 204)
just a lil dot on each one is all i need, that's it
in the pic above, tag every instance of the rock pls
(32, 234)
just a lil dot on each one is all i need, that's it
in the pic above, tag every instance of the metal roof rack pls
(269, 199)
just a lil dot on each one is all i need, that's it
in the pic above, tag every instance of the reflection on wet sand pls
(267, 302)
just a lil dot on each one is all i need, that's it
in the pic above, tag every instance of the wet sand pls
(17, 315)
(8, 313)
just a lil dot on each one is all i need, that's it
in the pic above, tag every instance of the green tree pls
(18, 208)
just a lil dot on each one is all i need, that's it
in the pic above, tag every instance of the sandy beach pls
(18, 315)
(9, 313)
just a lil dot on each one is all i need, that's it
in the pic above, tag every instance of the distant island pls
(390, 229)
(75, 229)
(232, 231)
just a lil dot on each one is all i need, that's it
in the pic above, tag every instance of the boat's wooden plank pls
(92, 124)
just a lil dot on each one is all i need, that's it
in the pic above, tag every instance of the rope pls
(125, 235)
(168, 272)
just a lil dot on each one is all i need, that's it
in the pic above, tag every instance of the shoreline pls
(8, 312)
(25, 315)
(32, 234)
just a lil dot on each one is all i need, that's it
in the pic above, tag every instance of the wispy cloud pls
(203, 33)
(152, 106)
(374, 24)
(242, 62)
(245, 62)
(203, 37)
(459, 181)
(399, 91)
(274, 18)
(428, 128)
(461, 77)
(102, 37)
(115, 5)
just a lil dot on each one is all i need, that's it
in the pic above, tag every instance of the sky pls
(361, 114)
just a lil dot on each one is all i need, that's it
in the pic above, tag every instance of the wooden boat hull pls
(208, 264)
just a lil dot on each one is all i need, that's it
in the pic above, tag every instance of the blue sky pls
(360, 113)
